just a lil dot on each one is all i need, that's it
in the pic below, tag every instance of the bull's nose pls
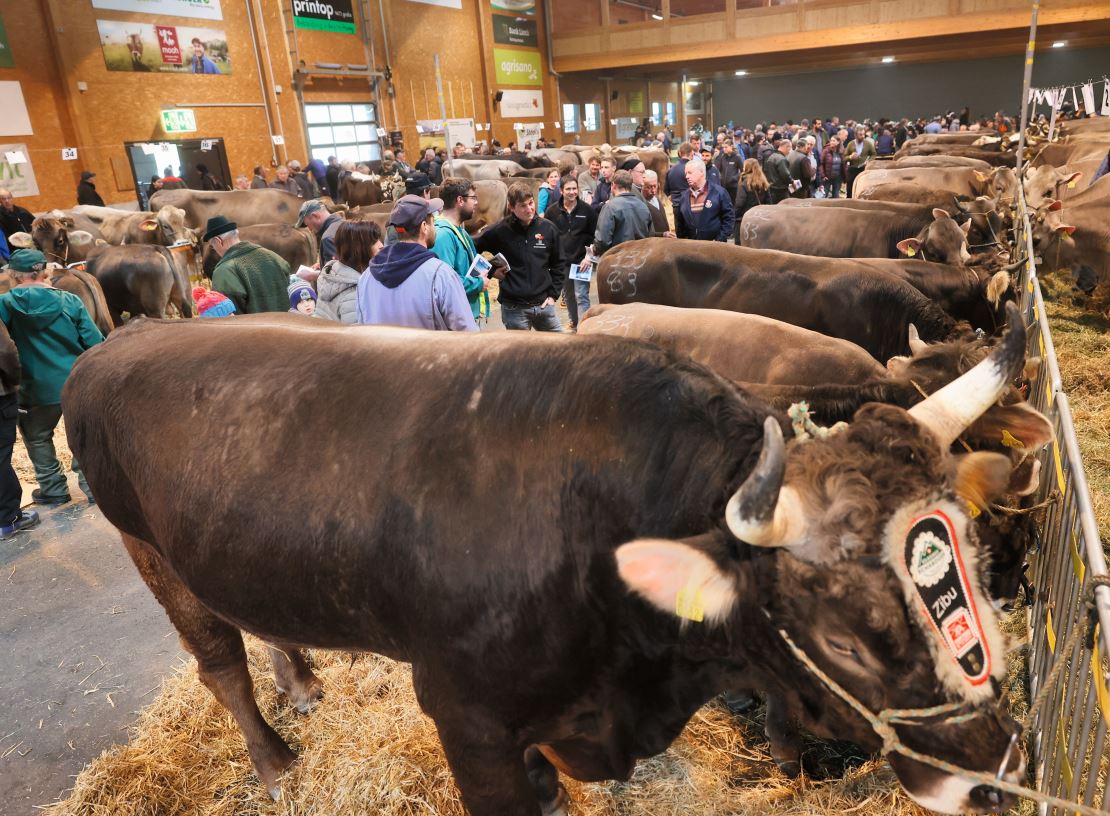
(989, 799)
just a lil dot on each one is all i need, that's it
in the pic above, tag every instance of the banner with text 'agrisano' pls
(324, 15)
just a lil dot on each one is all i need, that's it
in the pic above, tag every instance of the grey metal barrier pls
(1067, 742)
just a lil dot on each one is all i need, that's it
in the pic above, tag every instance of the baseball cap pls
(26, 260)
(308, 208)
(417, 183)
(87, 174)
(411, 211)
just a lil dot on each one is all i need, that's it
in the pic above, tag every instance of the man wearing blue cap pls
(51, 329)
(406, 284)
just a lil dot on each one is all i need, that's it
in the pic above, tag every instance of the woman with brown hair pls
(753, 190)
(356, 242)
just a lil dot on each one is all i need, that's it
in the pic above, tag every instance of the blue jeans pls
(522, 318)
(577, 295)
(832, 187)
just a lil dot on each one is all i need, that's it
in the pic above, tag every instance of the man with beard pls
(454, 246)
(575, 221)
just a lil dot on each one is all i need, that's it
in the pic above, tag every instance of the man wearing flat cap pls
(86, 190)
(252, 277)
(406, 284)
(323, 224)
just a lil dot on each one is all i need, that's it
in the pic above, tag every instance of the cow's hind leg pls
(221, 661)
(293, 677)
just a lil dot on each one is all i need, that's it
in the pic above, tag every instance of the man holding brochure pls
(454, 246)
(575, 221)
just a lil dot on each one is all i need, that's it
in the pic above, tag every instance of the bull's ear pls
(909, 246)
(677, 577)
(80, 238)
(981, 176)
(21, 240)
(1019, 426)
(966, 226)
(1055, 205)
(997, 285)
(1068, 228)
(940, 214)
(982, 477)
(1071, 179)
(148, 224)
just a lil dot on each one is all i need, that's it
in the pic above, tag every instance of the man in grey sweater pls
(625, 217)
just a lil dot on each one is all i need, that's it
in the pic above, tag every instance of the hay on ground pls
(367, 749)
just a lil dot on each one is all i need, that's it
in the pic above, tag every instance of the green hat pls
(218, 225)
(26, 260)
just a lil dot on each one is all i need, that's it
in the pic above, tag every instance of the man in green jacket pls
(51, 329)
(253, 278)
(857, 153)
(453, 245)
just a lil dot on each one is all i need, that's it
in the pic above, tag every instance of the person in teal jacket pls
(453, 245)
(51, 329)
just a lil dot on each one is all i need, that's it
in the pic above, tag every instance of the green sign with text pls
(179, 120)
(515, 67)
(514, 31)
(6, 60)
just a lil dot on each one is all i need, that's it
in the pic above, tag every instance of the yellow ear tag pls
(690, 604)
(973, 510)
(1071, 184)
(1011, 441)
(911, 252)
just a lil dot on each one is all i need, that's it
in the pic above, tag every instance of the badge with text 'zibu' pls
(936, 567)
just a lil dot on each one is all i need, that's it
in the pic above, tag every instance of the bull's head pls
(1042, 184)
(943, 241)
(876, 576)
(54, 234)
(1052, 235)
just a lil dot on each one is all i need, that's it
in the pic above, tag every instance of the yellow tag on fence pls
(690, 604)
(1011, 441)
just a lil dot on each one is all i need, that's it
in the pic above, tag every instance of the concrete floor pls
(85, 646)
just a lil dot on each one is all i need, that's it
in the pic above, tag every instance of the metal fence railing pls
(1068, 741)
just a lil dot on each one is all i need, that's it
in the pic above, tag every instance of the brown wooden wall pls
(592, 88)
(55, 45)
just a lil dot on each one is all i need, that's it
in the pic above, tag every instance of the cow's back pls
(347, 469)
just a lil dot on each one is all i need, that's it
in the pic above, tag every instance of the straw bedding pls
(367, 749)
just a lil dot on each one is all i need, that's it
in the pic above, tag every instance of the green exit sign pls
(179, 121)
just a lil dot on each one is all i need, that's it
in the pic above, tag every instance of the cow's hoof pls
(303, 698)
(790, 768)
(559, 805)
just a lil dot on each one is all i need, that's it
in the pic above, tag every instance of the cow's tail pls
(181, 294)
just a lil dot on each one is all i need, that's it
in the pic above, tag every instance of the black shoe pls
(24, 521)
(38, 497)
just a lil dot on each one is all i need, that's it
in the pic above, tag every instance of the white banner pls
(19, 178)
(527, 134)
(200, 9)
(460, 130)
(525, 104)
(15, 121)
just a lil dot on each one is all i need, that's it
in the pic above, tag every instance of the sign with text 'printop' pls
(324, 15)
(515, 67)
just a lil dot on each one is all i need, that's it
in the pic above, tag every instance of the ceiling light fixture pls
(1059, 43)
(693, 83)
(657, 16)
(888, 59)
(741, 73)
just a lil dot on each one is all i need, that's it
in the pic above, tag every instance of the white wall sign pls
(19, 177)
(454, 4)
(528, 133)
(69, 153)
(460, 130)
(15, 121)
(16, 157)
(206, 144)
(527, 104)
(278, 139)
(199, 9)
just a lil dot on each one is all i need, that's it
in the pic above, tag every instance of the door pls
(180, 158)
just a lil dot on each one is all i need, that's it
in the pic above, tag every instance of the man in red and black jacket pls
(537, 268)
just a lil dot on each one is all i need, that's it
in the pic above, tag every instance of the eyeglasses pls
(472, 196)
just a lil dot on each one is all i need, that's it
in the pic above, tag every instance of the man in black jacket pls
(331, 178)
(537, 268)
(12, 519)
(674, 185)
(777, 171)
(86, 190)
(729, 165)
(575, 222)
(13, 218)
(604, 189)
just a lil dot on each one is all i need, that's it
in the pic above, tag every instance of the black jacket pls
(602, 194)
(537, 268)
(331, 178)
(729, 167)
(87, 194)
(576, 229)
(18, 220)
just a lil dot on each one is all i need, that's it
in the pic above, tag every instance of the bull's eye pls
(843, 649)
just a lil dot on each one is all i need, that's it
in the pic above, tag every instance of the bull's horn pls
(757, 513)
(915, 341)
(949, 411)
(960, 205)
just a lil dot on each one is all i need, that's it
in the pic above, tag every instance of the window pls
(662, 113)
(570, 118)
(591, 118)
(348, 132)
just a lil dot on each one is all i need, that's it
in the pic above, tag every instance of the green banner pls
(324, 15)
(515, 67)
(5, 49)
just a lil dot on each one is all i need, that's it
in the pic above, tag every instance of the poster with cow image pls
(164, 49)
